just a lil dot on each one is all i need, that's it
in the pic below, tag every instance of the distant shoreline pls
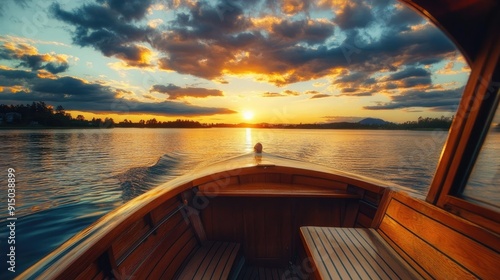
(42, 127)
(277, 127)
(39, 115)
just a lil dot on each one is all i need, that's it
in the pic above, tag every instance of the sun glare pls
(247, 115)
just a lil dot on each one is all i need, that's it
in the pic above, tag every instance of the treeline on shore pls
(39, 114)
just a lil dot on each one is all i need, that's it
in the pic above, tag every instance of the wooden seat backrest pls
(436, 243)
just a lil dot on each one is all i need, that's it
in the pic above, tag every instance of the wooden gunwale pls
(79, 252)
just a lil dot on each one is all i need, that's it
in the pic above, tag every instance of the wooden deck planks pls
(214, 260)
(228, 265)
(349, 253)
(268, 273)
(196, 261)
(167, 268)
(381, 258)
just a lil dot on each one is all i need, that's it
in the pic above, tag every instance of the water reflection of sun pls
(248, 115)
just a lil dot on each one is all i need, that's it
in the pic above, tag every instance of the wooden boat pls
(274, 219)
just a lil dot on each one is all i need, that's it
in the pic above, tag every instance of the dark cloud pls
(410, 77)
(361, 84)
(356, 14)
(310, 32)
(128, 9)
(351, 77)
(320, 96)
(357, 84)
(72, 89)
(282, 94)
(15, 75)
(349, 90)
(409, 72)
(417, 81)
(357, 93)
(396, 50)
(77, 94)
(273, 94)
(175, 92)
(37, 62)
(204, 20)
(108, 28)
(401, 19)
(291, 92)
(392, 50)
(192, 57)
(437, 100)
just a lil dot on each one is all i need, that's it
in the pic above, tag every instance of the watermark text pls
(11, 220)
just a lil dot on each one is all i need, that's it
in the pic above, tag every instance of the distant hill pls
(372, 121)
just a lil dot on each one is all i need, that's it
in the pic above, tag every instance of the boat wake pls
(138, 180)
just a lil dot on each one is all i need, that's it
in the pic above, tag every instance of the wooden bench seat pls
(213, 260)
(352, 253)
(168, 243)
(409, 238)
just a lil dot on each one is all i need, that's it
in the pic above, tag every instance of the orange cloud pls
(30, 57)
(265, 22)
(45, 74)
(141, 59)
(316, 94)
(333, 4)
(291, 7)
(272, 94)
(20, 49)
(450, 68)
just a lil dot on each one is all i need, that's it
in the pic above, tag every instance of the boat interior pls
(265, 217)
(277, 219)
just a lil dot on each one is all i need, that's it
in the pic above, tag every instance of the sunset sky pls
(285, 61)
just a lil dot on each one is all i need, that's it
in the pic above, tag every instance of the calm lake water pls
(67, 179)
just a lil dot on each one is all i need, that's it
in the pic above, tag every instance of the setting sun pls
(248, 115)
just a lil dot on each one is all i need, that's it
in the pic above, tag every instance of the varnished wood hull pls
(263, 220)
(259, 208)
